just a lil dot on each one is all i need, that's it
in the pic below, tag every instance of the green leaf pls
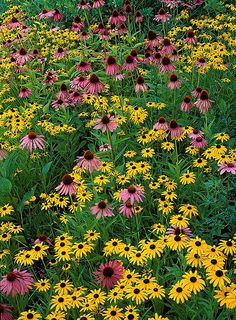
(5, 185)
(46, 168)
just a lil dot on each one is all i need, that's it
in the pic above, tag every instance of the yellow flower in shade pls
(3, 253)
(86, 317)
(136, 294)
(222, 295)
(188, 177)
(218, 278)
(231, 298)
(193, 281)
(222, 136)
(228, 247)
(169, 195)
(42, 285)
(77, 299)
(39, 250)
(7, 209)
(148, 152)
(60, 302)
(130, 154)
(154, 185)
(197, 245)
(156, 291)
(113, 313)
(58, 315)
(167, 146)
(158, 228)
(30, 314)
(194, 259)
(63, 287)
(91, 235)
(166, 207)
(24, 257)
(179, 221)
(157, 317)
(170, 185)
(179, 293)
(177, 242)
(163, 179)
(188, 210)
(192, 150)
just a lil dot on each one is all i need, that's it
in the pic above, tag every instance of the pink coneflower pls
(127, 3)
(107, 122)
(104, 35)
(24, 92)
(67, 186)
(201, 62)
(84, 35)
(3, 153)
(175, 130)
(77, 24)
(138, 17)
(134, 54)
(63, 93)
(16, 282)
(79, 82)
(32, 141)
(109, 273)
(60, 53)
(83, 66)
(162, 15)
(22, 56)
(89, 161)
(46, 14)
(59, 103)
(195, 134)
(174, 83)
(130, 64)
(148, 57)
(57, 15)
(105, 147)
(153, 40)
(166, 65)
(14, 23)
(100, 28)
(229, 166)
(171, 3)
(167, 47)
(161, 124)
(140, 85)
(98, 3)
(196, 93)
(94, 85)
(127, 209)
(43, 238)
(186, 105)
(190, 39)
(102, 209)
(177, 231)
(203, 103)
(83, 5)
(51, 77)
(5, 312)
(74, 97)
(174, 56)
(116, 18)
(199, 142)
(112, 67)
(132, 193)
(119, 76)
(156, 58)
(121, 29)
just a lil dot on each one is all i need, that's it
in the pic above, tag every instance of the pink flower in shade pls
(24, 92)
(190, 39)
(102, 209)
(196, 93)
(174, 56)
(46, 14)
(134, 54)
(74, 97)
(203, 103)
(138, 17)
(229, 166)
(109, 273)
(98, 4)
(3, 154)
(107, 122)
(79, 82)
(127, 209)
(140, 85)
(161, 124)
(59, 103)
(105, 147)
(119, 76)
(186, 105)
(148, 57)
(14, 23)
(201, 62)
(83, 5)
(132, 193)
(171, 3)
(51, 77)
(153, 40)
(162, 15)
(32, 141)
(63, 93)
(174, 83)
(195, 134)
(43, 238)
(67, 186)
(166, 65)
(175, 130)
(89, 161)
(116, 18)
(156, 58)
(16, 282)
(100, 28)
(83, 66)
(60, 53)
(130, 63)
(94, 85)
(167, 47)
(84, 35)
(199, 142)
(112, 67)
(22, 56)
(5, 312)
(57, 16)
(177, 231)
(77, 24)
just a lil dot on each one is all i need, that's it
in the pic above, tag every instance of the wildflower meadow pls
(117, 160)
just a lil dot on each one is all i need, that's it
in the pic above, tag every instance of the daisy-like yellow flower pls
(148, 152)
(25, 257)
(30, 314)
(42, 285)
(228, 247)
(167, 146)
(156, 291)
(138, 257)
(158, 228)
(213, 263)
(39, 250)
(166, 207)
(222, 136)
(58, 315)
(101, 180)
(177, 242)
(81, 249)
(86, 317)
(218, 278)
(97, 296)
(158, 317)
(63, 287)
(7, 209)
(200, 163)
(130, 154)
(179, 221)
(188, 210)
(193, 281)
(197, 245)
(179, 293)
(91, 235)
(136, 294)
(113, 313)
(60, 302)
(170, 185)
(192, 150)
(188, 178)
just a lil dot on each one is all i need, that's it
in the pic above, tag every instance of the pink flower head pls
(195, 134)
(116, 18)
(89, 161)
(186, 105)
(43, 238)
(174, 83)
(51, 77)
(171, 3)
(199, 142)
(105, 147)
(138, 17)
(79, 82)
(201, 62)
(77, 24)
(63, 93)
(175, 130)
(134, 54)
(98, 4)
(167, 47)
(3, 153)
(84, 35)
(32, 141)
(83, 66)
(127, 209)
(14, 23)
(102, 209)
(161, 124)
(67, 186)
(59, 103)
(83, 5)
(177, 231)
(74, 97)
(166, 65)
(94, 85)
(112, 67)
(190, 39)
(46, 14)
(196, 93)
(203, 103)
(140, 84)
(5, 312)
(16, 282)
(130, 63)
(132, 193)
(229, 166)
(24, 92)
(60, 53)
(22, 56)
(109, 273)
(162, 15)
(57, 15)
(106, 122)
(174, 56)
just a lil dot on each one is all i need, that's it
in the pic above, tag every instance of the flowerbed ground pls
(117, 160)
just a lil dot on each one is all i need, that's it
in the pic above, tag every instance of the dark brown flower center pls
(199, 139)
(108, 272)
(166, 42)
(193, 279)
(128, 205)
(88, 155)
(173, 124)
(199, 89)
(60, 50)
(179, 289)
(140, 80)
(177, 238)
(77, 19)
(131, 189)
(30, 316)
(190, 34)
(67, 179)
(42, 237)
(165, 61)
(204, 95)
(22, 52)
(11, 276)
(136, 291)
(102, 205)
(173, 78)
(129, 59)
(187, 99)
(161, 11)
(219, 273)
(115, 13)
(105, 119)
(201, 60)
(151, 35)
(230, 165)
(32, 135)
(94, 78)
(111, 60)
